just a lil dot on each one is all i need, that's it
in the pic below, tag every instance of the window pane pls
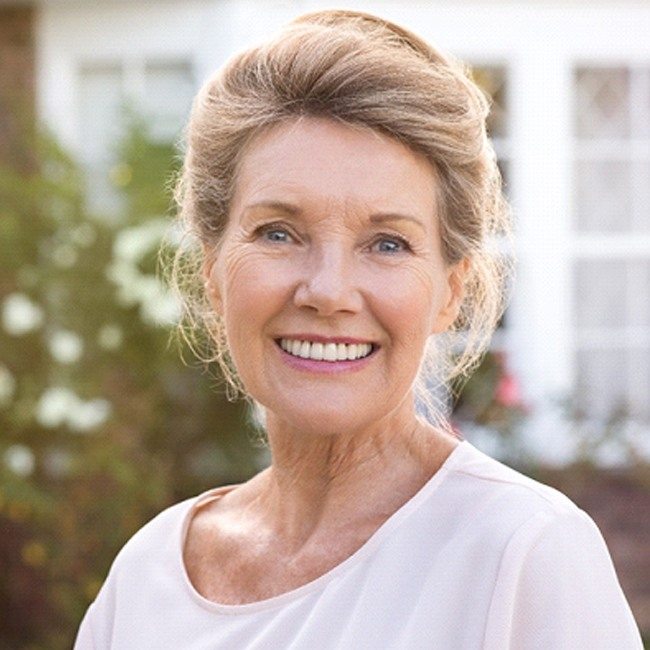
(169, 89)
(639, 382)
(639, 295)
(641, 103)
(602, 107)
(600, 293)
(603, 195)
(492, 79)
(100, 127)
(614, 383)
(601, 383)
(100, 105)
(641, 188)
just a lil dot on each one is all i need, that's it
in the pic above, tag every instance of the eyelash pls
(383, 237)
(267, 229)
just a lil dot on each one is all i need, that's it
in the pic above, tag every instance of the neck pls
(327, 482)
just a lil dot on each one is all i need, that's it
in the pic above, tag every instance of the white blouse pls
(481, 557)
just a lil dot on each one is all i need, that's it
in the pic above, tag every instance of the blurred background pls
(102, 424)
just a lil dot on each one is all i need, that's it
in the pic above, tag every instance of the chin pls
(327, 418)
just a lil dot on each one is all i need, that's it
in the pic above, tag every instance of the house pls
(571, 124)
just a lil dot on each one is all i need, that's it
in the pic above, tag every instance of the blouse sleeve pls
(84, 640)
(96, 629)
(558, 589)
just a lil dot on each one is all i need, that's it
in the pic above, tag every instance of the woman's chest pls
(236, 570)
(377, 601)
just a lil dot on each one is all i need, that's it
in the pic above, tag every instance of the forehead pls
(320, 161)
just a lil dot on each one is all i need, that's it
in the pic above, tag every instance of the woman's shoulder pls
(161, 528)
(161, 537)
(504, 495)
(554, 567)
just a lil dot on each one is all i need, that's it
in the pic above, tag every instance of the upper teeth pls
(326, 351)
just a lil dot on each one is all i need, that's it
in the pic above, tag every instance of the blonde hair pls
(361, 70)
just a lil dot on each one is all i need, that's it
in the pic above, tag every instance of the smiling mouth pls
(332, 352)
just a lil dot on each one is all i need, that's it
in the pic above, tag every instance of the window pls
(161, 91)
(611, 283)
(168, 90)
(493, 80)
(101, 100)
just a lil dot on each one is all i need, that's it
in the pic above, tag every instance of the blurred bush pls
(490, 409)
(101, 424)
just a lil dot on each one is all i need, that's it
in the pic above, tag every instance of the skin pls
(332, 232)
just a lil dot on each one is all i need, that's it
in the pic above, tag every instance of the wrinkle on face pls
(328, 199)
(332, 189)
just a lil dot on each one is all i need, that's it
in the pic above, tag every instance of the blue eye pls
(276, 234)
(391, 245)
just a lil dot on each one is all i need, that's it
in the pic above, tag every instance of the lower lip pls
(325, 367)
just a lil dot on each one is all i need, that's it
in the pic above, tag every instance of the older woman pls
(341, 186)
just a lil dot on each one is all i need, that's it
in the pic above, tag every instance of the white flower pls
(89, 415)
(157, 305)
(19, 459)
(110, 337)
(59, 405)
(132, 244)
(160, 307)
(55, 405)
(66, 346)
(20, 315)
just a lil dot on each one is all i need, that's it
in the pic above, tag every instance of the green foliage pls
(101, 424)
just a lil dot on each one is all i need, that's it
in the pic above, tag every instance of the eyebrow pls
(381, 217)
(377, 217)
(279, 206)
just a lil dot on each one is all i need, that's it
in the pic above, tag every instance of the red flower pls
(507, 392)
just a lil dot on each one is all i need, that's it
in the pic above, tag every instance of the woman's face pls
(330, 276)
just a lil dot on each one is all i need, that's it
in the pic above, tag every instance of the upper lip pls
(319, 338)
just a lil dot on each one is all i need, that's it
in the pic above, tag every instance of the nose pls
(329, 282)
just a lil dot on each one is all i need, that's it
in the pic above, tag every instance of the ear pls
(455, 293)
(210, 279)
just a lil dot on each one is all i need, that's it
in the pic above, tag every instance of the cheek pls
(408, 303)
(251, 286)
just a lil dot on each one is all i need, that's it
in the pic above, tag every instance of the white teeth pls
(316, 351)
(327, 351)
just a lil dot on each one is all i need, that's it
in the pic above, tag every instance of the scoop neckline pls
(371, 544)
